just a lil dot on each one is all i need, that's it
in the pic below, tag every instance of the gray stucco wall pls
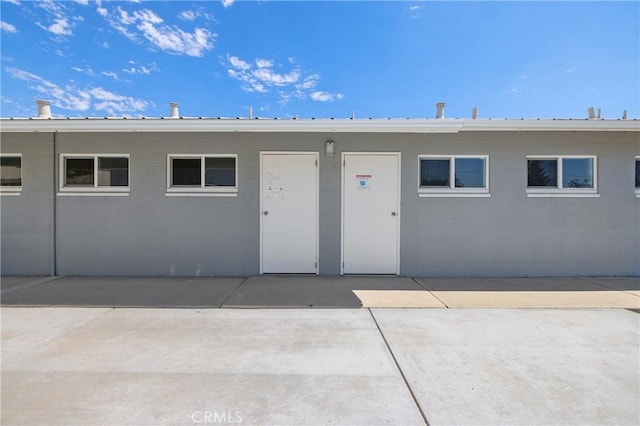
(25, 220)
(148, 233)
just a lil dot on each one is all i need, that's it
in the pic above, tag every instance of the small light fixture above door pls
(329, 149)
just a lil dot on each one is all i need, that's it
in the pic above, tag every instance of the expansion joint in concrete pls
(432, 293)
(404, 378)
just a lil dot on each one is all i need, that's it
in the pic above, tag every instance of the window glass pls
(186, 171)
(469, 173)
(434, 172)
(220, 171)
(113, 171)
(577, 172)
(542, 173)
(10, 171)
(637, 173)
(79, 172)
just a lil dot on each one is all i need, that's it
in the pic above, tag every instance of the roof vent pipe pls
(474, 113)
(250, 112)
(44, 109)
(599, 114)
(624, 114)
(592, 113)
(174, 110)
(440, 110)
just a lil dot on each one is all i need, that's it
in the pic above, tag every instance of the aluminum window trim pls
(202, 190)
(84, 190)
(560, 190)
(452, 190)
(12, 190)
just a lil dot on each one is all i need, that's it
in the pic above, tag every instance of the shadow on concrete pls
(531, 284)
(311, 291)
(118, 291)
(265, 291)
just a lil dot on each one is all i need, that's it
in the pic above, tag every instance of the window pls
(561, 176)
(209, 175)
(454, 176)
(99, 173)
(11, 174)
(638, 176)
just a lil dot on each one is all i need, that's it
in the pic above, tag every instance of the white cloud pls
(325, 96)
(269, 77)
(168, 38)
(62, 24)
(102, 11)
(260, 76)
(192, 15)
(415, 7)
(82, 2)
(59, 27)
(111, 74)
(227, 3)
(238, 63)
(141, 69)
(87, 71)
(77, 99)
(16, 2)
(264, 63)
(188, 15)
(309, 82)
(5, 26)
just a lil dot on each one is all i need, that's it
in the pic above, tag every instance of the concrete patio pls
(123, 366)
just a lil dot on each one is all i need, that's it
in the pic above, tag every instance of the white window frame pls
(634, 176)
(202, 190)
(12, 190)
(560, 190)
(94, 190)
(452, 191)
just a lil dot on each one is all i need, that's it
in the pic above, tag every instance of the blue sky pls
(320, 59)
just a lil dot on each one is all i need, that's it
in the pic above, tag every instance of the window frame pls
(452, 190)
(560, 190)
(95, 189)
(12, 190)
(202, 190)
(634, 176)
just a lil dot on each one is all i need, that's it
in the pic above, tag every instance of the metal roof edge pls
(96, 125)
(551, 125)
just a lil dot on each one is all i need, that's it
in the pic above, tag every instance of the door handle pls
(265, 213)
(394, 214)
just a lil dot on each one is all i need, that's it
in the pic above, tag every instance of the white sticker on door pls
(363, 181)
(275, 187)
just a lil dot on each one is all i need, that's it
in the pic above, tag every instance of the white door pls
(289, 212)
(370, 213)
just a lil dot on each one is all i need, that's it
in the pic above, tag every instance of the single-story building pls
(232, 197)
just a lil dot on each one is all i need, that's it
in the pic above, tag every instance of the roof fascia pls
(95, 125)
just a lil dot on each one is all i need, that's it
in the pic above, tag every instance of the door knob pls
(394, 214)
(265, 212)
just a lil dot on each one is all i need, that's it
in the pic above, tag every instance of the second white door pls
(370, 213)
(289, 212)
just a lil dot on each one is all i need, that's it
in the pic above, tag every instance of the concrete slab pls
(312, 291)
(397, 299)
(470, 367)
(176, 366)
(125, 292)
(515, 284)
(538, 299)
(630, 284)
(11, 283)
